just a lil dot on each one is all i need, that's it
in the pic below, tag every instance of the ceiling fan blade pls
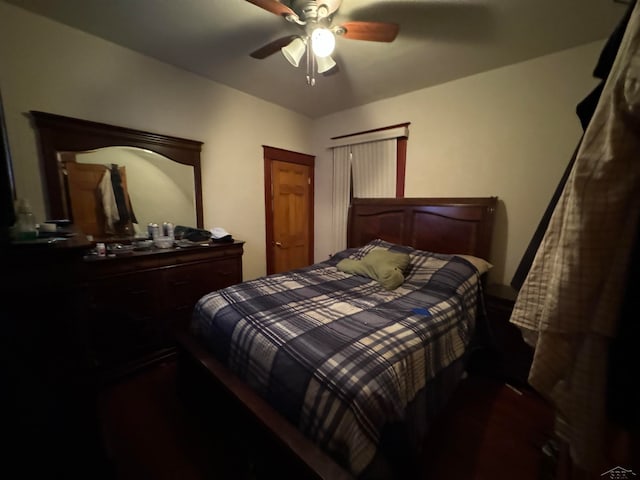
(372, 31)
(273, 6)
(272, 47)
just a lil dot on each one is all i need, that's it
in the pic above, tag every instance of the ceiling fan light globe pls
(294, 51)
(325, 64)
(323, 42)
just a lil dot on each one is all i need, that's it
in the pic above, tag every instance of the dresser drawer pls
(137, 303)
(135, 293)
(185, 285)
(124, 319)
(223, 273)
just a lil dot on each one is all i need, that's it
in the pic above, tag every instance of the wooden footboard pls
(294, 454)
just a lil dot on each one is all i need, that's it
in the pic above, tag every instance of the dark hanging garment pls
(584, 111)
(131, 212)
(530, 252)
(578, 303)
(118, 192)
(122, 200)
(623, 396)
(587, 106)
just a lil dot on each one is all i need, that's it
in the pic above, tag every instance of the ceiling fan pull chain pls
(307, 59)
(313, 68)
(311, 81)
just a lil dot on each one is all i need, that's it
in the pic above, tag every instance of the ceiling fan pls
(317, 38)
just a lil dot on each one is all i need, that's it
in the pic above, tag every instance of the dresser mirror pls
(110, 181)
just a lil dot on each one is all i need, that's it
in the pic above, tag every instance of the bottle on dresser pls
(25, 227)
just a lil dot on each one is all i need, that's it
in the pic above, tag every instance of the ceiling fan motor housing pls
(315, 16)
(312, 10)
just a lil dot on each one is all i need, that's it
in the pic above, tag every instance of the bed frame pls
(446, 225)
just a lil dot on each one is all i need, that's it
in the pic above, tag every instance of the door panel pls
(86, 202)
(290, 215)
(289, 209)
(83, 181)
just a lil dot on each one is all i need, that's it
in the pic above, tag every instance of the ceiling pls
(439, 41)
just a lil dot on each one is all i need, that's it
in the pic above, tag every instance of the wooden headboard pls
(443, 225)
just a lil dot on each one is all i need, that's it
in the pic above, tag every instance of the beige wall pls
(508, 133)
(50, 67)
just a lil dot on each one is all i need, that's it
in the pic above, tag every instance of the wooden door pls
(84, 196)
(289, 210)
(87, 212)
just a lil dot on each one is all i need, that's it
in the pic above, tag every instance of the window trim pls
(398, 131)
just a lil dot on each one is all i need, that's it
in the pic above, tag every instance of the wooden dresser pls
(109, 316)
(136, 303)
(71, 324)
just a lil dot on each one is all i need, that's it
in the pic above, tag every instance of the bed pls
(340, 371)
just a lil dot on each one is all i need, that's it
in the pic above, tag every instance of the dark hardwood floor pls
(488, 431)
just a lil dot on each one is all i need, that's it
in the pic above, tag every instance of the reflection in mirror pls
(155, 190)
(159, 174)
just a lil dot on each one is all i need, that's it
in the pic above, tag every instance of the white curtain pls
(341, 187)
(369, 161)
(374, 167)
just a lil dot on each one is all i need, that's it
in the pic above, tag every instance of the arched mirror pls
(111, 181)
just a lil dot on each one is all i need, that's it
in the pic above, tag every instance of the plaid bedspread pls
(337, 354)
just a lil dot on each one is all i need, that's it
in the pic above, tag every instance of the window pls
(365, 165)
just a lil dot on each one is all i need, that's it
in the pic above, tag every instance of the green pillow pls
(379, 264)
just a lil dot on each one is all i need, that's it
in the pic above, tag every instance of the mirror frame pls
(57, 133)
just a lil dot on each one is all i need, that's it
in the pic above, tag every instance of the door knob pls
(278, 244)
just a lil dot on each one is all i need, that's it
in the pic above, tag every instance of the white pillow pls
(481, 264)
